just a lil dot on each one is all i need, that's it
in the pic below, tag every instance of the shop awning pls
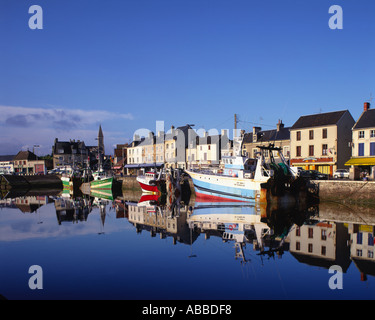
(144, 165)
(370, 161)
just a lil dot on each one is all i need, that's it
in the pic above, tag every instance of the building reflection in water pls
(323, 235)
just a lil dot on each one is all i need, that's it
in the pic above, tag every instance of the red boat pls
(150, 181)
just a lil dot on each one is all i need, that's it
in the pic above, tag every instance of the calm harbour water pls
(90, 249)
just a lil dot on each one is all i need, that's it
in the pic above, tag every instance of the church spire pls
(100, 141)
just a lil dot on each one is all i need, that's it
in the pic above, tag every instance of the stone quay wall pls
(346, 191)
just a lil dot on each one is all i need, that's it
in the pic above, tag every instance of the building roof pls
(269, 135)
(7, 158)
(66, 147)
(25, 155)
(318, 120)
(366, 120)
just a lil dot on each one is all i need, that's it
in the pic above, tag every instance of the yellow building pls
(363, 143)
(321, 141)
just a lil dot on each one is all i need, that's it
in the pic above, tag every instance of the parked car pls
(341, 173)
(314, 175)
(297, 170)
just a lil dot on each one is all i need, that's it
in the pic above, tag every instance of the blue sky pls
(126, 64)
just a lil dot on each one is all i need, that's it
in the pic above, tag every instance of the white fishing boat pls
(244, 178)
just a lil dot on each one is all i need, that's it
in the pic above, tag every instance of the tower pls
(100, 141)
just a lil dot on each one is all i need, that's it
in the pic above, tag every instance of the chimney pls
(366, 106)
(280, 125)
(256, 129)
(255, 133)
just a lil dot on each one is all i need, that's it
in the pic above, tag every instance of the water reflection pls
(321, 235)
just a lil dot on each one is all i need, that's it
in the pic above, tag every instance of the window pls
(311, 151)
(359, 237)
(298, 135)
(361, 134)
(298, 151)
(324, 234)
(311, 134)
(361, 149)
(311, 233)
(324, 149)
(286, 152)
(298, 246)
(370, 241)
(372, 148)
(324, 134)
(298, 232)
(372, 133)
(310, 248)
(324, 250)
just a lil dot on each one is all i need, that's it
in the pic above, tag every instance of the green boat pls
(102, 194)
(105, 183)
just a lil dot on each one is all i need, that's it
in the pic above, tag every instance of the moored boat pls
(249, 179)
(151, 181)
(102, 180)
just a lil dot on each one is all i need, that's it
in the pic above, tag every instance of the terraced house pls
(363, 143)
(280, 137)
(322, 141)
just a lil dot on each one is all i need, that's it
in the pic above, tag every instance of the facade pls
(27, 163)
(120, 157)
(280, 137)
(207, 151)
(6, 164)
(141, 154)
(158, 220)
(363, 144)
(321, 141)
(163, 149)
(175, 145)
(322, 244)
(362, 248)
(76, 154)
(70, 153)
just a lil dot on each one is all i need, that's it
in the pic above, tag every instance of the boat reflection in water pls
(243, 223)
(264, 227)
(157, 214)
(308, 239)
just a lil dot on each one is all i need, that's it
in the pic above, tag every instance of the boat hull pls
(148, 188)
(65, 182)
(210, 187)
(102, 184)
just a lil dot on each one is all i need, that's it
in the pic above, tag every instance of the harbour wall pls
(342, 191)
(27, 182)
(346, 191)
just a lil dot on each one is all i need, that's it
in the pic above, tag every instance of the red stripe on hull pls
(149, 198)
(201, 197)
(148, 188)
